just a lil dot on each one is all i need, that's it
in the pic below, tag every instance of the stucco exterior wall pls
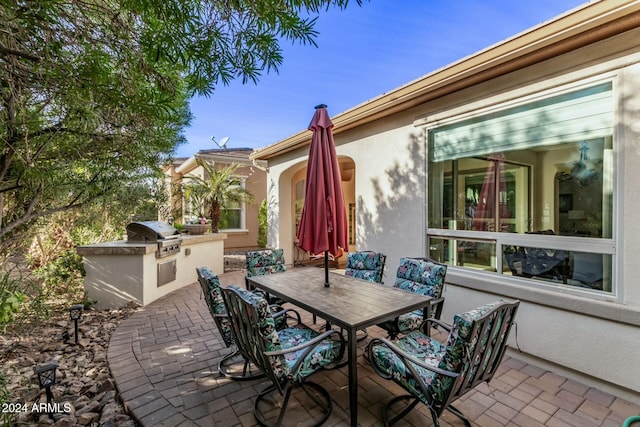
(248, 237)
(390, 190)
(596, 339)
(237, 239)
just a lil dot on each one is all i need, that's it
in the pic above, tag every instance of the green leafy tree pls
(93, 94)
(218, 190)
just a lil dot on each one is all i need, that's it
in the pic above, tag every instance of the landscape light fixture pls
(46, 378)
(75, 312)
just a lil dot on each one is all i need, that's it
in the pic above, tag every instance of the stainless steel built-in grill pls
(165, 236)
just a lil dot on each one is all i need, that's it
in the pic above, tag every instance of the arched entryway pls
(297, 183)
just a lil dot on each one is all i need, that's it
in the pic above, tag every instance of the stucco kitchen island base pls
(120, 272)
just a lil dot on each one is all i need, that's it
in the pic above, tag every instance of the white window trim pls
(589, 245)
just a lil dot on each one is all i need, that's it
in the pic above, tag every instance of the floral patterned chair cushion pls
(210, 284)
(469, 344)
(265, 261)
(365, 265)
(284, 365)
(424, 277)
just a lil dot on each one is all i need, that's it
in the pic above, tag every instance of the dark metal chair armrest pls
(284, 312)
(438, 322)
(220, 315)
(436, 301)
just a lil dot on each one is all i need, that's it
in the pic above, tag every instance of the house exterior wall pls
(256, 186)
(595, 339)
(239, 239)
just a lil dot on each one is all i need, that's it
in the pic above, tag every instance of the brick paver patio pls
(164, 360)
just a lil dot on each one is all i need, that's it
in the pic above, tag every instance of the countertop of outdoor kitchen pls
(123, 247)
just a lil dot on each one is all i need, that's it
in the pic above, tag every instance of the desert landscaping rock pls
(84, 389)
(84, 386)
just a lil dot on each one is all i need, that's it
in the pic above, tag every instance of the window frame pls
(242, 208)
(603, 246)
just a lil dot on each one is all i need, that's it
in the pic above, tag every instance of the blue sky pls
(362, 52)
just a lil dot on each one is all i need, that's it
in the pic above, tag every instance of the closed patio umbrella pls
(323, 224)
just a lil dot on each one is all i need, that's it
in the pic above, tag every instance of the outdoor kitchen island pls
(123, 271)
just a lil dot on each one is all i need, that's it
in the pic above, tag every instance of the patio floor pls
(164, 360)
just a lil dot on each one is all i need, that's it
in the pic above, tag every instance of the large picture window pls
(517, 191)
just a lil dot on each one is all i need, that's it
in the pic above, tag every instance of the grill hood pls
(150, 231)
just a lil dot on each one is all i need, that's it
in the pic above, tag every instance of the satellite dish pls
(222, 143)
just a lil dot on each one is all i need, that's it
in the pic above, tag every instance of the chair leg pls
(225, 364)
(455, 411)
(315, 391)
(386, 410)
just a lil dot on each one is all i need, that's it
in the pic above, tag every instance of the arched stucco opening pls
(291, 200)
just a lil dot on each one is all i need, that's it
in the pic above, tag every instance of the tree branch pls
(8, 51)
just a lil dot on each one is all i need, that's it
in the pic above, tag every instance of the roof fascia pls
(186, 166)
(224, 158)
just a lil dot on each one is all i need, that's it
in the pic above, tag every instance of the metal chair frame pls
(481, 359)
(245, 322)
(222, 321)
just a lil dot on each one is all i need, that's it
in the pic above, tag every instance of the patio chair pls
(437, 374)
(288, 357)
(422, 276)
(366, 265)
(265, 261)
(210, 284)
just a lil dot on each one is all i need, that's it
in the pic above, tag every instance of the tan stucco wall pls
(248, 238)
(595, 339)
(255, 184)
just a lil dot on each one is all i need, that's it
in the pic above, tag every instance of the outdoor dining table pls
(350, 303)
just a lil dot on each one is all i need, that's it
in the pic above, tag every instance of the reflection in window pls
(231, 218)
(540, 169)
(466, 253)
(585, 270)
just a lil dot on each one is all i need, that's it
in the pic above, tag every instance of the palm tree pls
(218, 190)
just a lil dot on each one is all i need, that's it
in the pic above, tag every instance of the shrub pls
(262, 224)
(62, 277)
(10, 298)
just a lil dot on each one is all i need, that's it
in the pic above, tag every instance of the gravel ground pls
(84, 390)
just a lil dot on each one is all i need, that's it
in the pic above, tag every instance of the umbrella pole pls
(326, 269)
